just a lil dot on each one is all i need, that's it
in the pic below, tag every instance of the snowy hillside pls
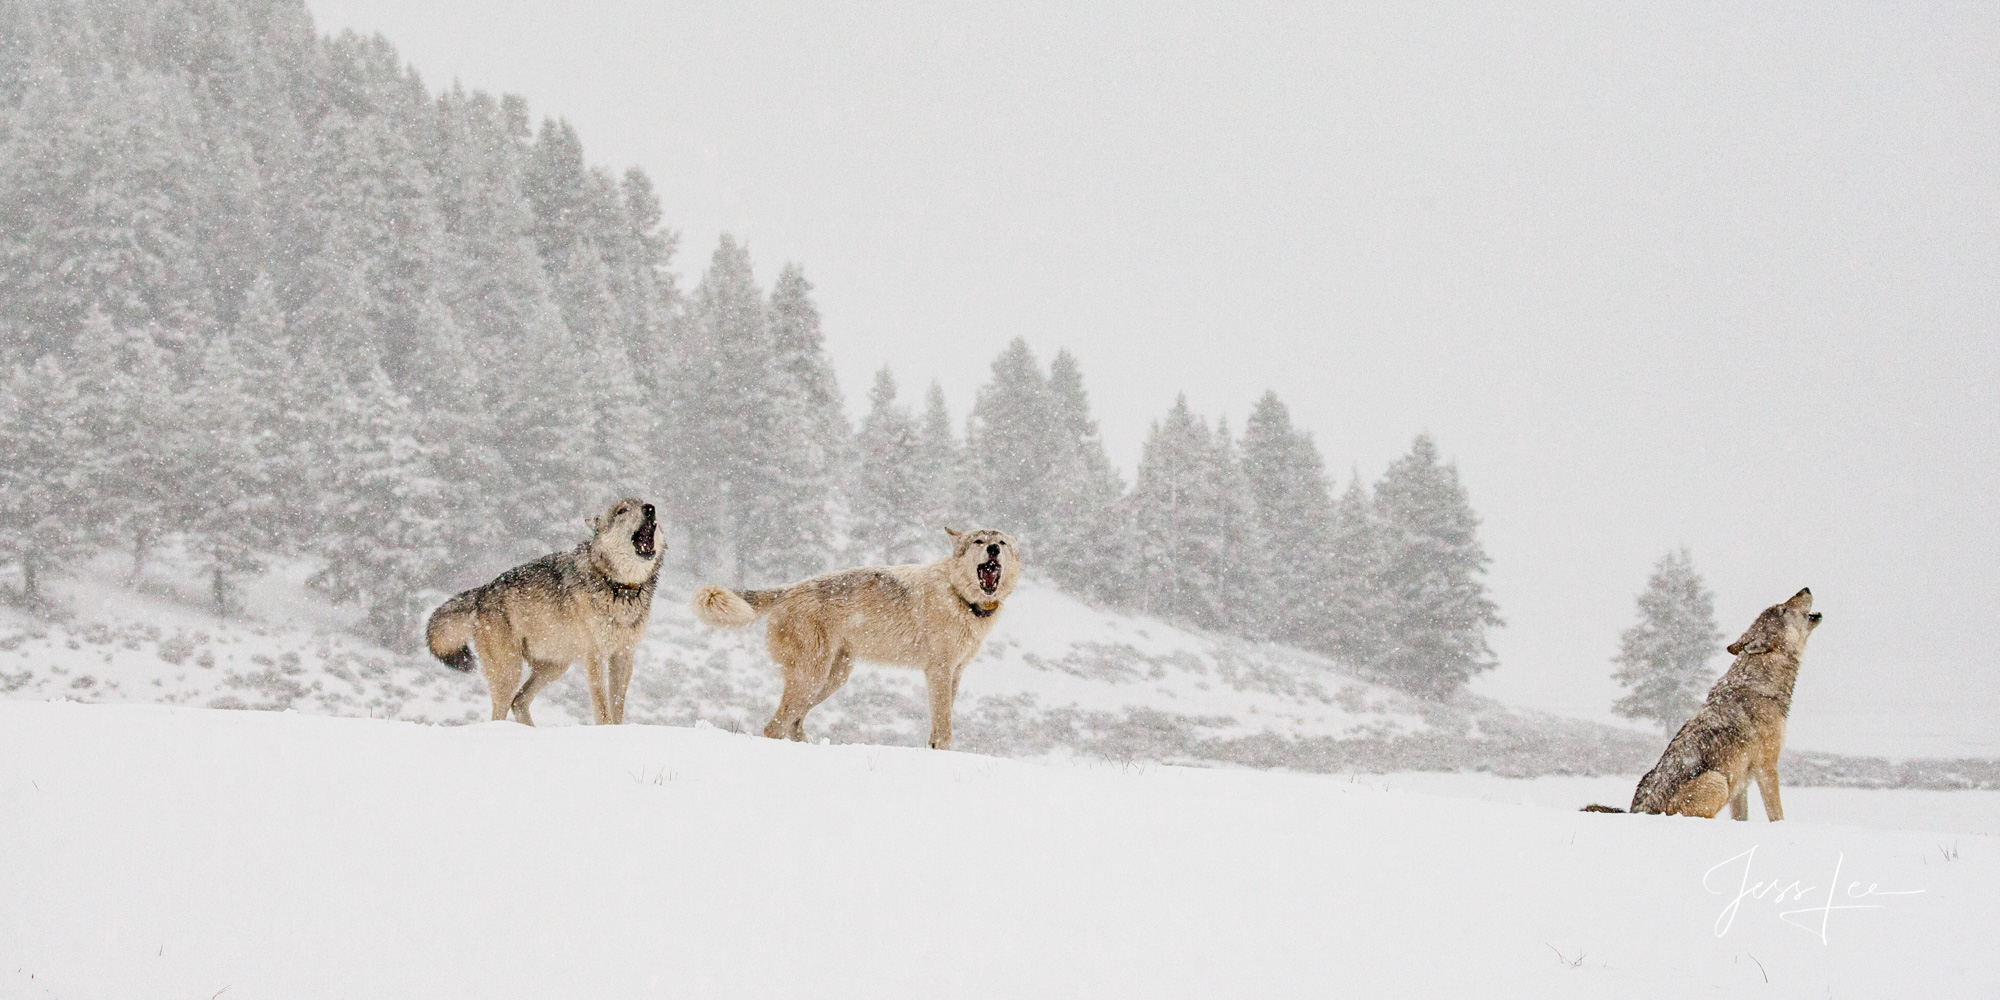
(1055, 679)
(1055, 676)
(180, 852)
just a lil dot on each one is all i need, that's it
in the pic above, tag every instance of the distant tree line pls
(262, 293)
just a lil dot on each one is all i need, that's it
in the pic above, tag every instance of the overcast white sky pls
(1717, 276)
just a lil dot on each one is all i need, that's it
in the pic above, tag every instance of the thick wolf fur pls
(1737, 735)
(588, 605)
(933, 617)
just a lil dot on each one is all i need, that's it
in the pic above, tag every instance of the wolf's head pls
(626, 539)
(1782, 628)
(984, 565)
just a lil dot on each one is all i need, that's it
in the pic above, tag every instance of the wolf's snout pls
(644, 540)
(989, 571)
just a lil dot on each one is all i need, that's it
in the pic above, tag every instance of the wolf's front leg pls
(941, 683)
(621, 678)
(1767, 786)
(600, 706)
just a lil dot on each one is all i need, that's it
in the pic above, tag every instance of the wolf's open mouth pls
(642, 540)
(989, 575)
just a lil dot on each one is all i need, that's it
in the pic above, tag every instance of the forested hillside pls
(263, 291)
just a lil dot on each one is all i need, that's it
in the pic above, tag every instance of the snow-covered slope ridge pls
(1056, 676)
(1054, 672)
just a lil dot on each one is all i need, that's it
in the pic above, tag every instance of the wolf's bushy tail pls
(1601, 809)
(727, 608)
(450, 630)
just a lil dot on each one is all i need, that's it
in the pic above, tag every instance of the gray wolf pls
(933, 617)
(588, 605)
(1739, 731)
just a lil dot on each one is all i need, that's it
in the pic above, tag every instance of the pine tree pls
(225, 498)
(1011, 447)
(287, 409)
(1355, 612)
(800, 355)
(125, 416)
(1178, 522)
(1432, 637)
(1243, 591)
(888, 492)
(1294, 513)
(43, 513)
(940, 466)
(1087, 546)
(385, 519)
(737, 424)
(1663, 658)
(807, 450)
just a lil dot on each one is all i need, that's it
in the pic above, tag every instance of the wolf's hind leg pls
(500, 661)
(809, 663)
(843, 667)
(788, 722)
(1704, 796)
(543, 672)
(1739, 804)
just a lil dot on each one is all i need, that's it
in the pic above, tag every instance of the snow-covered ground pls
(180, 852)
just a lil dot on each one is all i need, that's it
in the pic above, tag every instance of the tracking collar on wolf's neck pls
(977, 611)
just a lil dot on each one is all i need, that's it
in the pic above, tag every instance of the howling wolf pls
(931, 617)
(588, 604)
(1737, 734)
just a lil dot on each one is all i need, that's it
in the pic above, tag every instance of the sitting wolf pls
(588, 604)
(931, 617)
(1740, 730)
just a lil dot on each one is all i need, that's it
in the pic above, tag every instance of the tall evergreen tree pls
(1663, 658)
(226, 503)
(1178, 522)
(743, 434)
(1432, 636)
(386, 533)
(809, 443)
(1086, 549)
(1243, 591)
(1010, 447)
(1294, 512)
(940, 466)
(41, 481)
(1356, 613)
(888, 492)
(127, 425)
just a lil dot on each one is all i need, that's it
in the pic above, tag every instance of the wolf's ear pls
(955, 535)
(1749, 645)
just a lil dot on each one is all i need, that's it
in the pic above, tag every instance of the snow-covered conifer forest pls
(265, 293)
